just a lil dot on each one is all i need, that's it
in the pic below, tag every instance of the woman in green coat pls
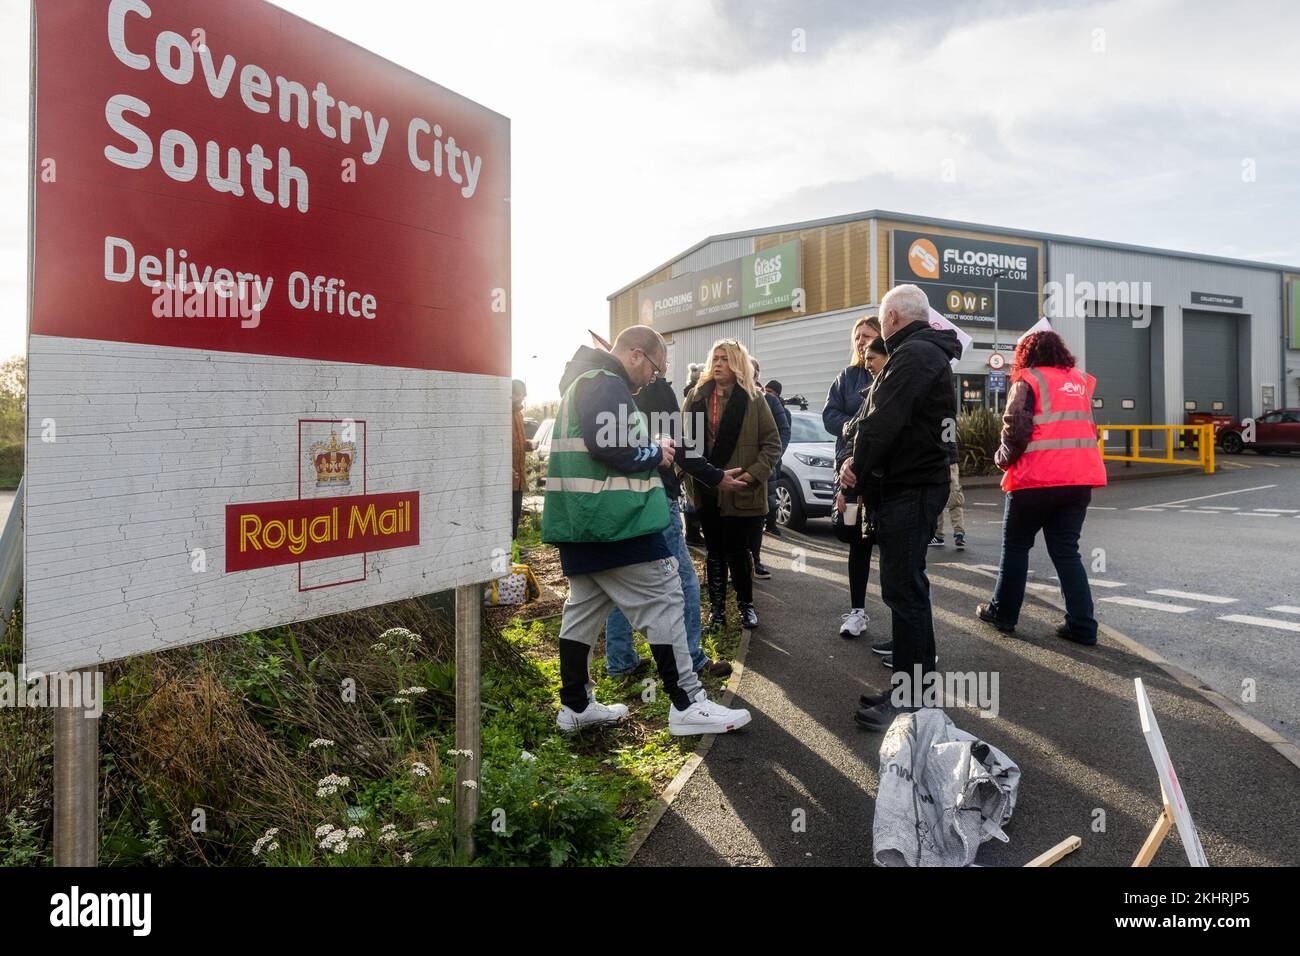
(738, 431)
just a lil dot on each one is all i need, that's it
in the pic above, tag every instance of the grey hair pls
(908, 301)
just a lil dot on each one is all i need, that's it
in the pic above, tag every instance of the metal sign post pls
(469, 616)
(76, 778)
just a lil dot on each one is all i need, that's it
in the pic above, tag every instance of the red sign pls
(225, 176)
(264, 534)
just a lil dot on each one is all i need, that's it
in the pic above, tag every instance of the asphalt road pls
(1223, 549)
(1066, 714)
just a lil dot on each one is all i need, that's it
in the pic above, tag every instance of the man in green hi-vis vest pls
(605, 510)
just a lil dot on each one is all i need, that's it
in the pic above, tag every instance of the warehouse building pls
(1167, 334)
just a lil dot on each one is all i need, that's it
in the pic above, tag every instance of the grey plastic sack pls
(943, 792)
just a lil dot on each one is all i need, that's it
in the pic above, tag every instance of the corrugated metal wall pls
(715, 253)
(1172, 283)
(693, 345)
(805, 355)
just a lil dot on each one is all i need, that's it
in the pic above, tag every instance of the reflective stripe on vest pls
(586, 500)
(1062, 449)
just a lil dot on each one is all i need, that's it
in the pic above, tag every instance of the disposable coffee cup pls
(851, 512)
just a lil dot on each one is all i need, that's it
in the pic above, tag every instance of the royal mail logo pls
(269, 533)
(333, 462)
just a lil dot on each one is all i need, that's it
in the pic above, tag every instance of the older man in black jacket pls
(901, 452)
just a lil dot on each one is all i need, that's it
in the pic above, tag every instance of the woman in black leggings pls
(855, 622)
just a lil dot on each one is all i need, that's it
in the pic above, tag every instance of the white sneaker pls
(855, 622)
(595, 715)
(705, 717)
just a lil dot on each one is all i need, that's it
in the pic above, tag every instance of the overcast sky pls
(640, 128)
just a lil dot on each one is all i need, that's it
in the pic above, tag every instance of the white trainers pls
(595, 715)
(855, 622)
(705, 717)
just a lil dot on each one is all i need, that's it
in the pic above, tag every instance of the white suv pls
(806, 488)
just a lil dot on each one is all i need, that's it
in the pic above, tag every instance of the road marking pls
(1266, 464)
(1220, 508)
(1199, 511)
(1281, 511)
(1183, 501)
(1285, 609)
(1261, 621)
(1254, 514)
(1099, 582)
(986, 504)
(1193, 596)
(1150, 605)
(1101, 508)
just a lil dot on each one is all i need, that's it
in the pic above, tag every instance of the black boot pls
(748, 617)
(716, 572)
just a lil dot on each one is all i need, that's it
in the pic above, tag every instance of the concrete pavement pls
(1066, 715)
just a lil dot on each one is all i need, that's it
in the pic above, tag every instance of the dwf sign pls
(760, 282)
(269, 342)
(959, 275)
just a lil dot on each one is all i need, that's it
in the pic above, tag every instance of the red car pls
(1276, 431)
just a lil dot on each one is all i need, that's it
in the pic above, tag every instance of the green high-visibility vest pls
(588, 501)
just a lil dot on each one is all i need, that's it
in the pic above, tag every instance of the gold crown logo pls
(333, 461)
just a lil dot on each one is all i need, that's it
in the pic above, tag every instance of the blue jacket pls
(842, 403)
(781, 415)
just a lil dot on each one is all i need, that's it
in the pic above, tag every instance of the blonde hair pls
(738, 358)
(855, 358)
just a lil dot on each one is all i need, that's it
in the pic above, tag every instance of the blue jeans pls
(904, 523)
(1059, 513)
(620, 654)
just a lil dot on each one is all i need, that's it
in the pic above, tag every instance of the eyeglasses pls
(646, 356)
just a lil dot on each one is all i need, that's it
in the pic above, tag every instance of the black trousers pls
(859, 564)
(904, 522)
(516, 509)
(727, 540)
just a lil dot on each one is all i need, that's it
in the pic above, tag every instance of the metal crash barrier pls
(1177, 438)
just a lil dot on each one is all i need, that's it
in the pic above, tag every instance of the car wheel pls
(1232, 443)
(789, 509)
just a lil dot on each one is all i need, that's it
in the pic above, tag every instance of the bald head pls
(642, 351)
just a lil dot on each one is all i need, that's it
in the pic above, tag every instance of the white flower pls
(329, 785)
(341, 847)
(414, 691)
(401, 700)
(388, 833)
(467, 754)
(443, 800)
(426, 824)
(323, 829)
(406, 858)
(395, 634)
(355, 833)
(471, 784)
(526, 757)
(320, 742)
(272, 847)
(419, 769)
(379, 647)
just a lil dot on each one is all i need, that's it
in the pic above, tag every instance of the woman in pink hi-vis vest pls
(1051, 459)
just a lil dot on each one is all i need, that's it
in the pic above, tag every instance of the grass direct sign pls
(269, 342)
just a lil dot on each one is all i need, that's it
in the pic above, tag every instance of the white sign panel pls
(1173, 791)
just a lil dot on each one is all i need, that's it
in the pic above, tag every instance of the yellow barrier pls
(1202, 438)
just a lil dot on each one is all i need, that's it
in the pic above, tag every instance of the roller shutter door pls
(1119, 355)
(1210, 362)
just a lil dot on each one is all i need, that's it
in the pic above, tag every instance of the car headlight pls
(814, 461)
